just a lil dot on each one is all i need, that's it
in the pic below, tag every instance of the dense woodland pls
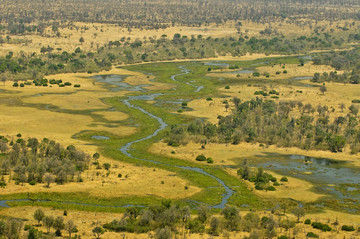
(45, 161)
(285, 124)
(161, 14)
(347, 61)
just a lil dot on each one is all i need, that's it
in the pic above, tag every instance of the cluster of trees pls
(347, 61)
(33, 161)
(286, 124)
(262, 180)
(161, 14)
(166, 220)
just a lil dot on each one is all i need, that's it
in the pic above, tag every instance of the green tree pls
(48, 222)
(39, 215)
(299, 212)
(98, 231)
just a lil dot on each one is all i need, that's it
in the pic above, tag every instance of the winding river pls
(126, 149)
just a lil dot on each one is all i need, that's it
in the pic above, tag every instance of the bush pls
(320, 226)
(180, 111)
(276, 184)
(278, 72)
(284, 179)
(210, 160)
(209, 99)
(355, 101)
(307, 221)
(119, 175)
(271, 188)
(348, 228)
(77, 85)
(15, 84)
(312, 235)
(282, 237)
(256, 74)
(285, 71)
(227, 87)
(183, 104)
(61, 85)
(201, 157)
(67, 83)
(22, 85)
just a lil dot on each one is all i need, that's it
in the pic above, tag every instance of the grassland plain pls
(96, 34)
(137, 169)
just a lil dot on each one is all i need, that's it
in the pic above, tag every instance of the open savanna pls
(96, 35)
(58, 113)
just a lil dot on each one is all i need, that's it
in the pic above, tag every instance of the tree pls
(39, 215)
(214, 226)
(3, 79)
(59, 224)
(81, 40)
(342, 107)
(232, 217)
(98, 231)
(70, 227)
(13, 228)
(48, 222)
(203, 213)
(48, 179)
(354, 110)
(299, 212)
(323, 89)
(164, 233)
(3, 146)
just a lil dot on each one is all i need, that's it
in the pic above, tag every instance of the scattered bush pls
(201, 157)
(210, 160)
(312, 235)
(348, 228)
(321, 226)
(307, 221)
(284, 179)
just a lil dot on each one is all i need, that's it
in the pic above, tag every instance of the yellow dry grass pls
(135, 180)
(98, 34)
(209, 110)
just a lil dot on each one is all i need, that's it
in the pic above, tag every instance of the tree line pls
(285, 124)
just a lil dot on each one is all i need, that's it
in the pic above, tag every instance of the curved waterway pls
(126, 149)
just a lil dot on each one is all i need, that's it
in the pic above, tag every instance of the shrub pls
(307, 221)
(183, 104)
(210, 160)
(282, 237)
(285, 71)
(180, 111)
(355, 101)
(278, 72)
(256, 74)
(77, 85)
(67, 83)
(61, 85)
(28, 83)
(15, 84)
(320, 226)
(173, 152)
(312, 235)
(276, 184)
(119, 175)
(201, 157)
(32, 182)
(284, 179)
(22, 85)
(227, 87)
(271, 188)
(209, 99)
(274, 97)
(348, 228)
